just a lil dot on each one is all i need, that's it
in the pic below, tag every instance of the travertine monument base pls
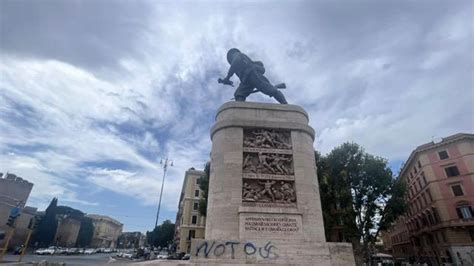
(264, 205)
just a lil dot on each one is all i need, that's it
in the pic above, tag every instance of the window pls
(194, 219)
(419, 164)
(443, 155)
(471, 233)
(419, 183)
(414, 170)
(191, 234)
(451, 171)
(464, 212)
(429, 195)
(424, 178)
(196, 193)
(430, 218)
(195, 206)
(198, 180)
(436, 217)
(443, 236)
(457, 190)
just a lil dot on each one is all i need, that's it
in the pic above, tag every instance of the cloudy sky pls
(94, 93)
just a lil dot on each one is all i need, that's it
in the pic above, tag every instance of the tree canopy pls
(358, 191)
(162, 235)
(68, 211)
(46, 230)
(204, 186)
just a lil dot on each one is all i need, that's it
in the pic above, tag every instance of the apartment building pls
(189, 223)
(439, 225)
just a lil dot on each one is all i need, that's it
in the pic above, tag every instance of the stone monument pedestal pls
(264, 205)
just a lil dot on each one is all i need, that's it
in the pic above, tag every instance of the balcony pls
(449, 223)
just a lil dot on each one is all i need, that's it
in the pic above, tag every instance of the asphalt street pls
(95, 259)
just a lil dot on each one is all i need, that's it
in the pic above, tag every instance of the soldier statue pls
(251, 77)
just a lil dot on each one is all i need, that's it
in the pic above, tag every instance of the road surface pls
(94, 259)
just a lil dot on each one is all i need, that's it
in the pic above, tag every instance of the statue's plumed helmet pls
(230, 54)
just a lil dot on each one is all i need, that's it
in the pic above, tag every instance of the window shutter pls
(458, 210)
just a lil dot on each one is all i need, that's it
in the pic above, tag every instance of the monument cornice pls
(262, 106)
(262, 124)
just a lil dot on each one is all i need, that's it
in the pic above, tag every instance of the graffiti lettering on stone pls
(215, 249)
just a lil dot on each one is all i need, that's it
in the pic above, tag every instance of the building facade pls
(439, 225)
(14, 192)
(131, 240)
(189, 223)
(67, 231)
(106, 231)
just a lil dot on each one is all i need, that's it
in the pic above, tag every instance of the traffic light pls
(11, 221)
(34, 222)
(14, 213)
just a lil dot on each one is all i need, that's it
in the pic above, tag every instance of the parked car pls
(45, 251)
(174, 257)
(90, 251)
(72, 251)
(162, 257)
(107, 250)
(61, 251)
(127, 255)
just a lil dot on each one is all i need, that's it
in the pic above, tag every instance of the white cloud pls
(386, 80)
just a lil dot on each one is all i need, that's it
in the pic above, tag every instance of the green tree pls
(363, 190)
(69, 212)
(204, 186)
(46, 231)
(162, 235)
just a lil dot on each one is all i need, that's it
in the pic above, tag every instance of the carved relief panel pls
(268, 174)
(267, 139)
(268, 163)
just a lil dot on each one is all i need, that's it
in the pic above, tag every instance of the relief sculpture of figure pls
(279, 140)
(279, 197)
(265, 137)
(263, 163)
(278, 163)
(248, 164)
(249, 193)
(251, 77)
(288, 192)
(249, 142)
(267, 189)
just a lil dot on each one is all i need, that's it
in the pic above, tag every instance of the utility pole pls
(165, 166)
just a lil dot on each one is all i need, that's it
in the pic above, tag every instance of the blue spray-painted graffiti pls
(216, 249)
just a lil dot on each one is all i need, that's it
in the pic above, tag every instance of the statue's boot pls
(280, 97)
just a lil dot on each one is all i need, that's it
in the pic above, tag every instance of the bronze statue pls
(251, 77)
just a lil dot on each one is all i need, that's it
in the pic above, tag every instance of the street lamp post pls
(165, 166)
